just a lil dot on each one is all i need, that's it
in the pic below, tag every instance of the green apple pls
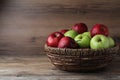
(71, 33)
(99, 42)
(111, 42)
(83, 41)
(87, 33)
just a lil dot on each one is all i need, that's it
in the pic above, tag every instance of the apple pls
(99, 29)
(111, 42)
(71, 33)
(87, 34)
(83, 41)
(67, 42)
(99, 42)
(80, 28)
(63, 31)
(53, 39)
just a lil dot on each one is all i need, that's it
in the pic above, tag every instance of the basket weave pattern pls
(80, 59)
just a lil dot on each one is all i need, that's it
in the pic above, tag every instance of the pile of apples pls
(79, 37)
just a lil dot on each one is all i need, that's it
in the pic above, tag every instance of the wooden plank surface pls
(25, 25)
(39, 68)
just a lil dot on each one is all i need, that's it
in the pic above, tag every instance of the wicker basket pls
(80, 59)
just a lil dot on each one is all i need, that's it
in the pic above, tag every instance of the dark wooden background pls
(25, 24)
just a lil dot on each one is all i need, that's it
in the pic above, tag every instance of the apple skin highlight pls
(99, 29)
(54, 38)
(99, 42)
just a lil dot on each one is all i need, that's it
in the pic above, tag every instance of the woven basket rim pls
(116, 46)
(81, 52)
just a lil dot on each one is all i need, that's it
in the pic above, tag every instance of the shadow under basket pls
(80, 59)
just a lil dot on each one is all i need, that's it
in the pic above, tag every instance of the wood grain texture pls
(25, 24)
(39, 68)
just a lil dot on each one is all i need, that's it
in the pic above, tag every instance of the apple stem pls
(99, 40)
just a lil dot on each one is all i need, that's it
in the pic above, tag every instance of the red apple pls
(67, 42)
(63, 31)
(99, 29)
(54, 38)
(80, 28)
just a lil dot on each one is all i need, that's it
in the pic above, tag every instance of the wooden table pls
(39, 68)
(25, 25)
